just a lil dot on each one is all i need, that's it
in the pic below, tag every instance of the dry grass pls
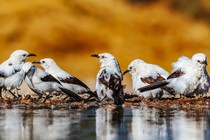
(69, 31)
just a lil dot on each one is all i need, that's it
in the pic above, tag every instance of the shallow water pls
(104, 124)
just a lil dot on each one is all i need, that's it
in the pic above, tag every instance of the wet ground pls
(168, 119)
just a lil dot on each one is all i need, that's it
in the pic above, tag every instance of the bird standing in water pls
(67, 80)
(189, 77)
(11, 74)
(109, 79)
(144, 74)
(44, 83)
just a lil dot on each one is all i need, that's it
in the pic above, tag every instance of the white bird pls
(189, 77)
(109, 79)
(67, 80)
(43, 83)
(11, 74)
(144, 74)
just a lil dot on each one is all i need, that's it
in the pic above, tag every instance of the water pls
(104, 124)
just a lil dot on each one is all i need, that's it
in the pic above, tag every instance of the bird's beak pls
(95, 55)
(126, 72)
(31, 54)
(36, 62)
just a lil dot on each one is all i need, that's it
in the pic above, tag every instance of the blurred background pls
(69, 31)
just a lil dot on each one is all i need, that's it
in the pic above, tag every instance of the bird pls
(189, 77)
(43, 83)
(109, 79)
(144, 74)
(68, 81)
(11, 74)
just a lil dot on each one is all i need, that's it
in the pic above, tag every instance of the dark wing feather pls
(2, 75)
(114, 84)
(50, 78)
(153, 86)
(72, 95)
(102, 78)
(73, 80)
(151, 80)
(148, 80)
(176, 74)
(159, 82)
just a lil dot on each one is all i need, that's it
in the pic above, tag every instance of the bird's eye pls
(43, 62)
(102, 56)
(24, 55)
(130, 67)
(199, 61)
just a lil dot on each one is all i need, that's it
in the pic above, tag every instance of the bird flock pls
(189, 78)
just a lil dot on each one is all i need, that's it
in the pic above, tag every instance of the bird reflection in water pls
(207, 131)
(110, 124)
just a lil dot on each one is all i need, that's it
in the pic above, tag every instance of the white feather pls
(140, 69)
(195, 77)
(111, 66)
(52, 68)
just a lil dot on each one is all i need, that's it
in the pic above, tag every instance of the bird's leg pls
(39, 96)
(47, 97)
(180, 96)
(17, 89)
(13, 94)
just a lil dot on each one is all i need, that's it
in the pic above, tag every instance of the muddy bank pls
(135, 102)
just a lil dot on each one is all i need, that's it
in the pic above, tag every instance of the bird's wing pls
(161, 71)
(110, 80)
(152, 86)
(113, 82)
(14, 80)
(176, 74)
(73, 80)
(159, 82)
(6, 72)
(151, 80)
(49, 78)
(30, 74)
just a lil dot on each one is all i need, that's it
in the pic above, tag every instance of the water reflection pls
(43, 124)
(169, 125)
(104, 124)
(207, 130)
(110, 124)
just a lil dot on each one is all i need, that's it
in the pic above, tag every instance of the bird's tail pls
(153, 86)
(92, 94)
(72, 95)
(119, 97)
